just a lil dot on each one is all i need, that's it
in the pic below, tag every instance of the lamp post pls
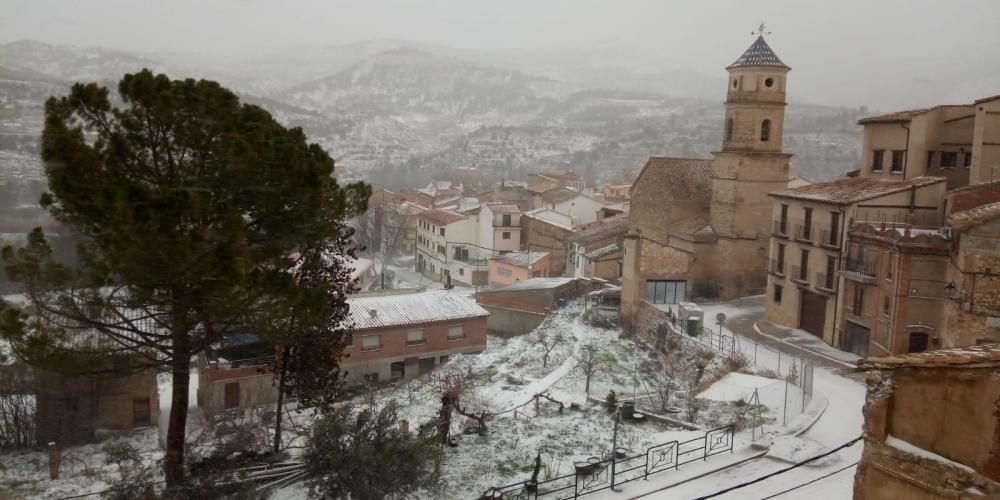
(614, 445)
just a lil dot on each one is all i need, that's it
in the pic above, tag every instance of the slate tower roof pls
(759, 54)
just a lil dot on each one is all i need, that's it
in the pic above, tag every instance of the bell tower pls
(752, 162)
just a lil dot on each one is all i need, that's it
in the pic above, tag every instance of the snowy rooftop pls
(855, 189)
(535, 284)
(382, 311)
(602, 251)
(552, 217)
(522, 259)
(985, 354)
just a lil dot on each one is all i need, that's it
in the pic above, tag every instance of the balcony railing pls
(416, 342)
(862, 270)
(777, 267)
(829, 238)
(803, 233)
(377, 347)
(826, 282)
(799, 274)
(780, 229)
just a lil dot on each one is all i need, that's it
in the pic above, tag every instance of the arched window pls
(729, 129)
(765, 131)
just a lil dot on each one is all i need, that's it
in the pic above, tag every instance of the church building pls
(701, 227)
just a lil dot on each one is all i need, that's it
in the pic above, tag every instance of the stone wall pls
(977, 276)
(542, 237)
(919, 406)
(505, 321)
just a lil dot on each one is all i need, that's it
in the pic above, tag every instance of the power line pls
(811, 482)
(782, 471)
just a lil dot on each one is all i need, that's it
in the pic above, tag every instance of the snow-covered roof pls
(602, 251)
(551, 217)
(535, 284)
(522, 259)
(389, 310)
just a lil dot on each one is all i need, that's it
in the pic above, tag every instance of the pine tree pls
(188, 205)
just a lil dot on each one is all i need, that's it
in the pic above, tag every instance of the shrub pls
(611, 402)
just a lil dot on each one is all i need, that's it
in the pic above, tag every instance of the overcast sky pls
(902, 41)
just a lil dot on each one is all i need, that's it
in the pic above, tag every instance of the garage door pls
(857, 339)
(812, 313)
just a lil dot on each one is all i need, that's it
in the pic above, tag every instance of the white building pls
(581, 208)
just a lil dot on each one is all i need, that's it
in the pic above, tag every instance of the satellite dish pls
(720, 318)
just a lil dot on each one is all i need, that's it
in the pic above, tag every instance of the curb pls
(803, 349)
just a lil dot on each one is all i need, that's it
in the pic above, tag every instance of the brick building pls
(236, 373)
(932, 429)
(402, 334)
(701, 226)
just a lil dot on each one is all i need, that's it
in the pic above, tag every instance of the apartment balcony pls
(826, 282)
(780, 229)
(804, 233)
(829, 239)
(799, 275)
(859, 270)
(777, 268)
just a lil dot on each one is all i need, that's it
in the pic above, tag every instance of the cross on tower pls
(761, 30)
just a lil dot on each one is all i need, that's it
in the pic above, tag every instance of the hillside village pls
(608, 322)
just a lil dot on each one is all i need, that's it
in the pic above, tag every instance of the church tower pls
(752, 162)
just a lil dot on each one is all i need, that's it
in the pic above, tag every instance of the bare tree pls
(589, 361)
(457, 389)
(546, 343)
(698, 361)
(382, 229)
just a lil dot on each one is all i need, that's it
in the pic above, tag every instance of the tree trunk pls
(174, 463)
(586, 386)
(281, 398)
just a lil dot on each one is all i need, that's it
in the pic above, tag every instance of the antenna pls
(761, 30)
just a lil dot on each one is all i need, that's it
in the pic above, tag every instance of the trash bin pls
(628, 408)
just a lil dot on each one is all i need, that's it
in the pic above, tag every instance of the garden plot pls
(512, 373)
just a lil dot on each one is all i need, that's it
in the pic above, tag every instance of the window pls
(898, 158)
(765, 131)
(729, 129)
(886, 305)
(949, 159)
(807, 223)
(506, 220)
(140, 412)
(781, 259)
(769, 82)
(784, 219)
(877, 156)
(930, 159)
(967, 160)
(371, 342)
(232, 395)
(804, 265)
(503, 271)
(506, 235)
(888, 267)
(665, 292)
(831, 271)
(834, 229)
(415, 337)
(778, 289)
(456, 332)
(858, 304)
(442, 231)
(736, 83)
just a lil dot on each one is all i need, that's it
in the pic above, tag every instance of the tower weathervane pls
(761, 30)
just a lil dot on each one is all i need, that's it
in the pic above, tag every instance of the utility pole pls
(614, 446)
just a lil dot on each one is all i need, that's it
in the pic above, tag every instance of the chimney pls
(373, 313)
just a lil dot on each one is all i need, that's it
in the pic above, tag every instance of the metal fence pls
(597, 474)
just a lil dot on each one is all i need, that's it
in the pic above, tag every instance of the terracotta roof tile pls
(521, 259)
(854, 189)
(975, 195)
(613, 226)
(441, 217)
(959, 356)
(960, 221)
(677, 178)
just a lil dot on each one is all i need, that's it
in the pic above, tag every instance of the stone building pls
(809, 253)
(236, 373)
(932, 426)
(702, 225)
(595, 252)
(71, 408)
(545, 230)
(958, 142)
(913, 288)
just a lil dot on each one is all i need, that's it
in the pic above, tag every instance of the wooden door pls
(812, 313)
